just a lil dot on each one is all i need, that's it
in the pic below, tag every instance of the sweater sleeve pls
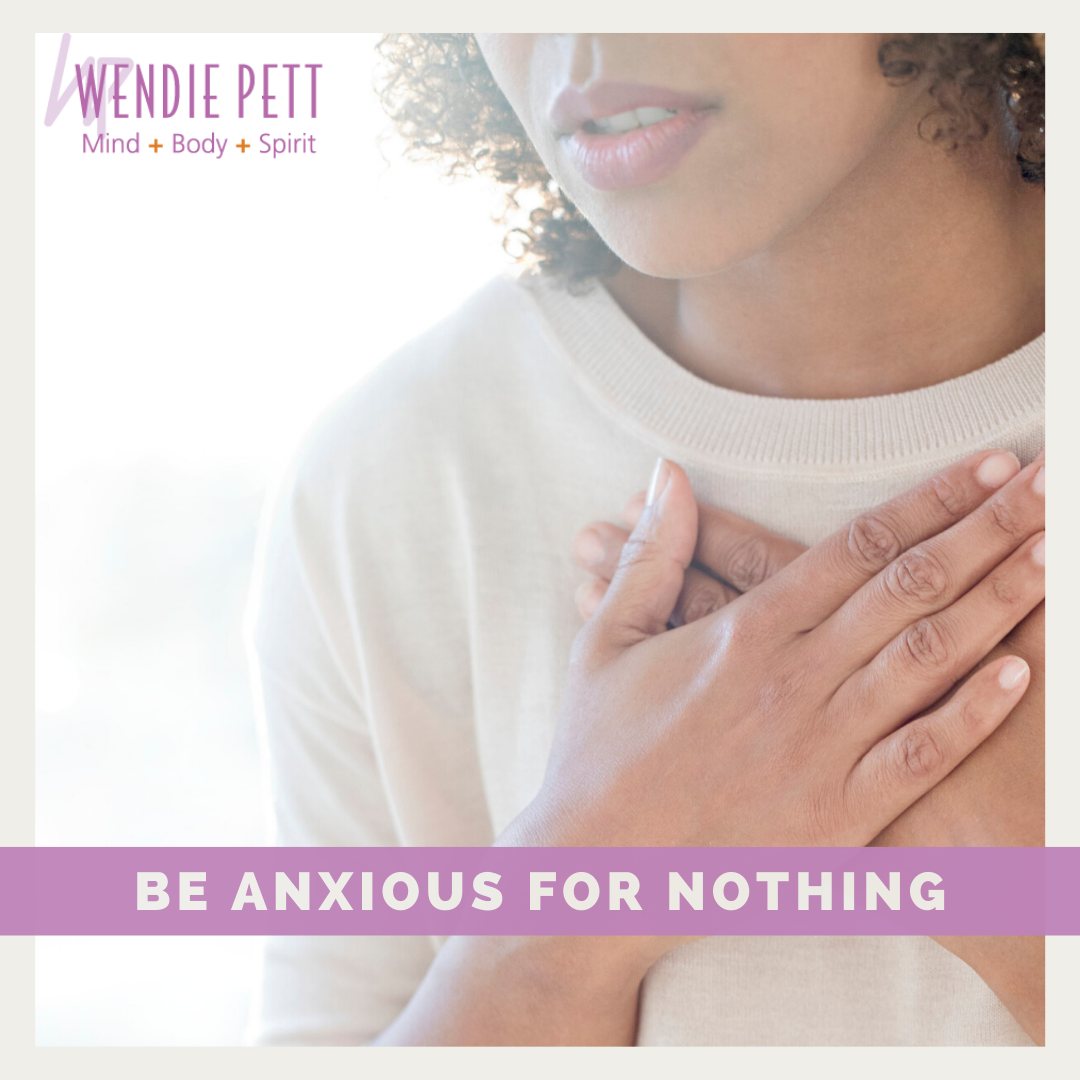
(325, 784)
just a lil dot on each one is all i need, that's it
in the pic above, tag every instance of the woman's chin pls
(682, 259)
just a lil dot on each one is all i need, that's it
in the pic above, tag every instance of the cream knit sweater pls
(416, 612)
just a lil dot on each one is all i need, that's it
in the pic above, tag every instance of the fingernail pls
(588, 547)
(1012, 674)
(1038, 485)
(1038, 552)
(582, 591)
(997, 469)
(660, 476)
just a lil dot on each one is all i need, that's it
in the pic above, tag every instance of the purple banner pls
(444, 891)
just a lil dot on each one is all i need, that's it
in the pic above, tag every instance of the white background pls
(193, 318)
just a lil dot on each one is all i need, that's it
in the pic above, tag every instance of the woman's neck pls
(922, 266)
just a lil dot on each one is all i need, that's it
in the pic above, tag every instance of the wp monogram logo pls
(89, 80)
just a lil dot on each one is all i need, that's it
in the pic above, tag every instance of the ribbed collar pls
(640, 385)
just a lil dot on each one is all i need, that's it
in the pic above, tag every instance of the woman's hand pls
(782, 718)
(994, 798)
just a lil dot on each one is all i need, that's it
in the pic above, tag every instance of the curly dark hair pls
(442, 99)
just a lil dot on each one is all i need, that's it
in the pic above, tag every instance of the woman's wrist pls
(582, 975)
(621, 958)
(552, 821)
(1014, 968)
(524, 991)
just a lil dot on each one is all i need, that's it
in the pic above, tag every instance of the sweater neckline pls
(639, 385)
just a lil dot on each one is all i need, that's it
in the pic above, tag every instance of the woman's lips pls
(612, 160)
(637, 157)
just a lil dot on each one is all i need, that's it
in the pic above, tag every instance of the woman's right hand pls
(783, 718)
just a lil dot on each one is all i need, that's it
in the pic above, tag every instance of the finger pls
(813, 586)
(903, 766)
(933, 574)
(730, 547)
(701, 595)
(652, 567)
(588, 596)
(741, 552)
(927, 659)
(597, 548)
(632, 510)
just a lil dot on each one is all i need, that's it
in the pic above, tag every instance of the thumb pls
(646, 585)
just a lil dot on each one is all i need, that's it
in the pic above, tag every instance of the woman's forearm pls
(1014, 968)
(526, 991)
(529, 991)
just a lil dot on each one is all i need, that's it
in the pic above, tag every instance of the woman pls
(807, 268)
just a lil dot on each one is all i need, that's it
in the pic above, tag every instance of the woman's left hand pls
(994, 799)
